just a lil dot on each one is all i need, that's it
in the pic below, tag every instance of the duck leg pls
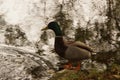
(68, 66)
(77, 68)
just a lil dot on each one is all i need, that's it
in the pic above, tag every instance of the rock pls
(93, 65)
(18, 64)
(62, 75)
(15, 36)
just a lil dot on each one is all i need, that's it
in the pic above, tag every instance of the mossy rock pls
(112, 73)
(83, 35)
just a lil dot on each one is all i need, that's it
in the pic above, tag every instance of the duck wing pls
(79, 44)
(82, 45)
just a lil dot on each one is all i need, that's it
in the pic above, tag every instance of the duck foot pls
(68, 66)
(77, 68)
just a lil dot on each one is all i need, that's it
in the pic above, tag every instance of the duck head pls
(55, 27)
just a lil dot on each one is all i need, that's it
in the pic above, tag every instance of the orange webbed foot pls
(68, 66)
(77, 68)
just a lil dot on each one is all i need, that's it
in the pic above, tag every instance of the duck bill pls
(44, 29)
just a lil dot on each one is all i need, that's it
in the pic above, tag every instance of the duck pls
(73, 51)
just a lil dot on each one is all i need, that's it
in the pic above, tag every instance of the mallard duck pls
(73, 51)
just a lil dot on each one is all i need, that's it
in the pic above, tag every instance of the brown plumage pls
(73, 51)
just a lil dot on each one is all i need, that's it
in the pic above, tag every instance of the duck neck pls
(57, 31)
(60, 47)
(59, 40)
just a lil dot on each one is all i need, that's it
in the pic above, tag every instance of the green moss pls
(114, 69)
